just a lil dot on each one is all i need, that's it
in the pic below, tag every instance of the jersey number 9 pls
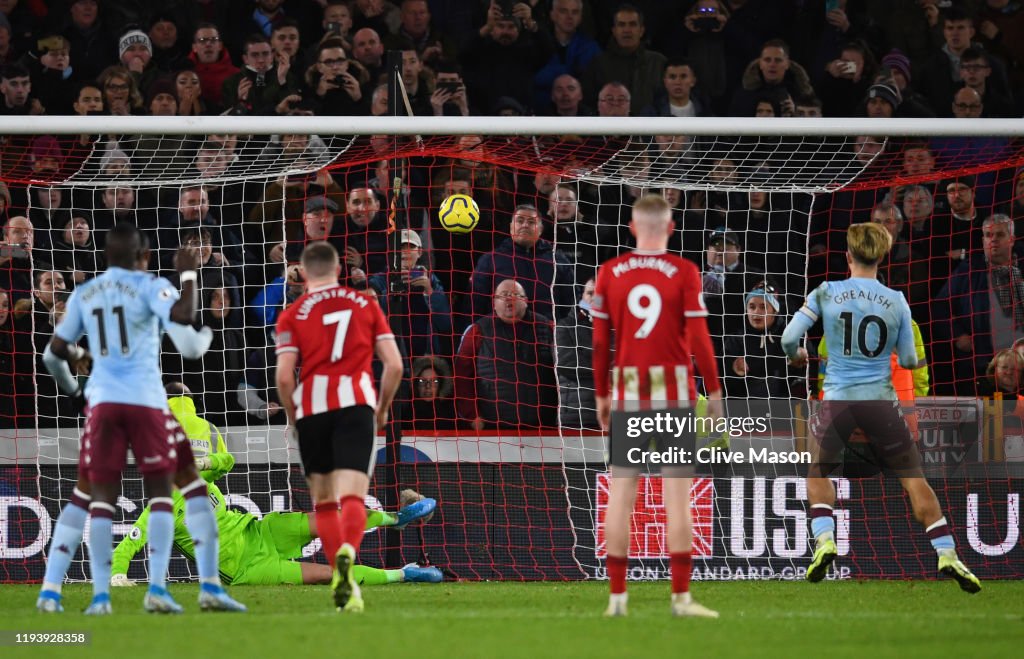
(644, 302)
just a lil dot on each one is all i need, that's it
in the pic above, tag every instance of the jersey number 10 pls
(862, 333)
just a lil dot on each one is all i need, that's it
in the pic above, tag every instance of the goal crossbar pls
(698, 126)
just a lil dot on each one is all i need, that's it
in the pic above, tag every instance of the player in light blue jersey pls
(863, 322)
(122, 312)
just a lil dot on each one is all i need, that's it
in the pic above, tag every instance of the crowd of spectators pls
(495, 323)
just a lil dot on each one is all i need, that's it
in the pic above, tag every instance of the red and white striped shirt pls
(334, 330)
(653, 301)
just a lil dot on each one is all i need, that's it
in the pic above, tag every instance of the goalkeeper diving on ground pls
(254, 550)
(264, 551)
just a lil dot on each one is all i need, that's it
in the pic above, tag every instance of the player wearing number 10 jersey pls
(863, 321)
(653, 302)
(332, 332)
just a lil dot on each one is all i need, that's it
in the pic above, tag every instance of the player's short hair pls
(652, 204)
(125, 243)
(868, 242)
(319, 259)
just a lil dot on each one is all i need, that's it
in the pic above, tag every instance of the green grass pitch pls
(870, 619)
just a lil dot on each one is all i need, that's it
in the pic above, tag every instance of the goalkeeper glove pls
(121, 581)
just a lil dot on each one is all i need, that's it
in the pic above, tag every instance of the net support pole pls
(397, 308)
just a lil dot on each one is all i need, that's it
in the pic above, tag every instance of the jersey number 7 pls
(341, 319)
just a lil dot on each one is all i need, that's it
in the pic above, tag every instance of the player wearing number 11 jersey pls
(653, 301)
(332, 332)
(863, 321)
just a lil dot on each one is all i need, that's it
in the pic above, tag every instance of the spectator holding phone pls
(703, 43)
(427, 320)
(846, 80)
(260, 85)
(334, 82)
(449, 96)
(503, 58)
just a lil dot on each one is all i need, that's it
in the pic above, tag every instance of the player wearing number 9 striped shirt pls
(653, 302)
(866, 320)
(332, 332)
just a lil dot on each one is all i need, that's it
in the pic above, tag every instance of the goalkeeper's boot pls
(617, 605)
(824, 553)
(413, 573)
(683, 606)
(951, 566)
(415, 511)
(158, 600)
(213, 597)
(347, 596)
(49, 602)
(100, 606)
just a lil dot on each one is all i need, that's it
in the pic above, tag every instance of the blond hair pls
(868, 242)
(653, 204)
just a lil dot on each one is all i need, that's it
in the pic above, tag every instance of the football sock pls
(940, 535)
(161, 537)
(681, 564)
(101, 548)
(353, 521)
(328, 526)
(375, 518)
(823, 524)
(202, 526)
(617, 573)
(371, 576)
(67, 536)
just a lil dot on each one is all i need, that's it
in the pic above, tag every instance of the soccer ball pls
(459, 213)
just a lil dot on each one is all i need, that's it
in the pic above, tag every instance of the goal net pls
(497, 418)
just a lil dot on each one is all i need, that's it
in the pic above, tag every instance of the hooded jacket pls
(753, 85)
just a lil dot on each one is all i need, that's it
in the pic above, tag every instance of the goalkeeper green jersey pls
(206, 440)
(231, 524)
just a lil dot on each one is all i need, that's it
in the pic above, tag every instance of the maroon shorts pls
(112, 428)
(881, 422)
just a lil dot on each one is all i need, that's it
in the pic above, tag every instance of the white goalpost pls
(513, 503)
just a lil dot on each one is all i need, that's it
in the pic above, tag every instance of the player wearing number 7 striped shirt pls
(653, 302)
(332, 332)
(863, 321)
